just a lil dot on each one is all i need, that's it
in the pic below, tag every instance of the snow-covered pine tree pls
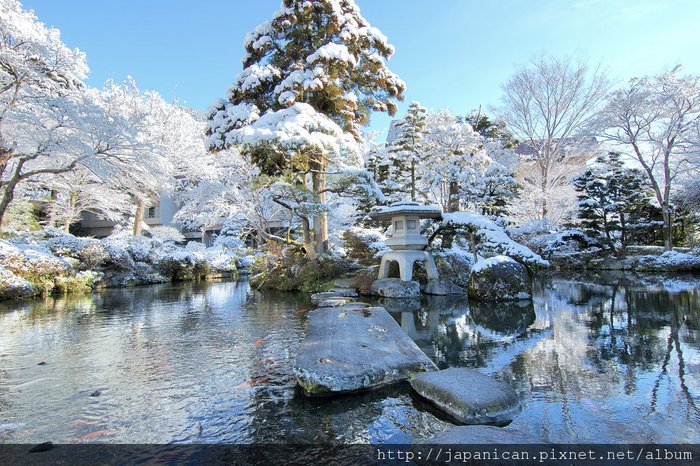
(407, 152)
(612, 196)
(311, 77)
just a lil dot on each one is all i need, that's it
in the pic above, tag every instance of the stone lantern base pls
(406, 259)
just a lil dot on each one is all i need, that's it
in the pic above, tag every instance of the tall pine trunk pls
(318, 181)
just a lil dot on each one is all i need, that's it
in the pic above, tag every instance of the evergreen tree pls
(612, 200)
(312, 76)
(407, 151)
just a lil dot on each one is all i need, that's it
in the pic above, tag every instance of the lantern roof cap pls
(407, 208)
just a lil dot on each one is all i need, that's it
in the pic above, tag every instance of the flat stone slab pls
(347, 293)
(333, 302)
(481, 435)
(349, 350)
(469, 396)
(354, 306)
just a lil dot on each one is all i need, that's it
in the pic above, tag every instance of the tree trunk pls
(7, 197)
(308, 241)
(70, 211)
(668, 227)
(52, 220)
(473, 241)
(453, 201)
(413, 181)
(318, 181)
(623, 237)
(138, 217)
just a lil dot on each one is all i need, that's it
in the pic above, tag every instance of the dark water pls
(600, 360)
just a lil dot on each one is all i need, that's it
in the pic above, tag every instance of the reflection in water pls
(591, 359)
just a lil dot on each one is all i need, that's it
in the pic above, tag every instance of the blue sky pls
(452, 54)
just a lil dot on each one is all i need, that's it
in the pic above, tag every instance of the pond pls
(602, 359)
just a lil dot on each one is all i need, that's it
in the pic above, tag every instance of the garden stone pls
(441, 287)
(395, 288)
(349, 350)
(499, 278)
(333, 302)
(318, 297)
(468, 396)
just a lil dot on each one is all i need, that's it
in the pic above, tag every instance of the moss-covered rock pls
(499, 278)
(34, 264)
(14, 287)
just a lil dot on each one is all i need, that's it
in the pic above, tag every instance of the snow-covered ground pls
(49, 260)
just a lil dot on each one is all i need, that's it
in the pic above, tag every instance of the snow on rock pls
(499, 278)
(33, 263)
(490, 262)
(455, 264)
(492, 238)
(14, 287)
(669, 261)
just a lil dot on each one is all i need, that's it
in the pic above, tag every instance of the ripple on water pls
(213, 363)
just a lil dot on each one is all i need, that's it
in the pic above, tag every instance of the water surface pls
(594, 360)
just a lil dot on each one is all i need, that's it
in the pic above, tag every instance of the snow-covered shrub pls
(671, 261)
(490, 238)
(90, 253)
(165, 233)
(222, 260)
(181, 264)
(14, 287)
(533, 234)
(81, 282)
(34, 263)
(570, 242)
(364, 245)
(118, 258)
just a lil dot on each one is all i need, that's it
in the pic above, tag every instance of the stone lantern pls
(407, 243)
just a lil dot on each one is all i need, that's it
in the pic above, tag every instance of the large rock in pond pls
(441, 287)
(499, 278)
(348, 349)
(395, 288)
(468, 396)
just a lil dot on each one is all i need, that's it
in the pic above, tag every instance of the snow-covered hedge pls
(48, 261)
(491, 239)
(669, 261)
